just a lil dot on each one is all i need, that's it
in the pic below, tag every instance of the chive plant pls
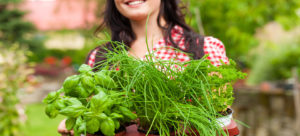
(172, 96)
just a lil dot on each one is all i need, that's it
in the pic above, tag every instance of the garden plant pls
(235, 22)
(13, 76)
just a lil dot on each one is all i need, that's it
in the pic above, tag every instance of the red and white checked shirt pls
(164, 51)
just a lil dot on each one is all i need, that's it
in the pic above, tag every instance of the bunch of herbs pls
(173, 96)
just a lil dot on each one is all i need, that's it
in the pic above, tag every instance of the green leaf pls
(71, 82)
(116, 116)
(51, 111)
(72, 101)
(73, 111)
(88, 82)
(78, 92)
(107, 127)
(51, 97)
(127, 113)
(60, 104)
(82, 128)
(84, 68)
(78, 123)
(98, 101)
(101, 116)
(100, 89)
(92, 126)
(70, 123)
(117, 124)
(104, 80)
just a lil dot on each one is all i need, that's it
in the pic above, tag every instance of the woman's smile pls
(135, 3)
(137, 10)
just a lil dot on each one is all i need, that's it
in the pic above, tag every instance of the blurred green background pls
(43, 41)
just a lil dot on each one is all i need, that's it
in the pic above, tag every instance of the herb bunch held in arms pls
(175, 97)
(92, 102)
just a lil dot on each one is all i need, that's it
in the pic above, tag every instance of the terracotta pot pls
(143, 132)
(120, 132)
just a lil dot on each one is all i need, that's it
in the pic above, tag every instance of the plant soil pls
(153, 133)
(227, 112)
(119, 132)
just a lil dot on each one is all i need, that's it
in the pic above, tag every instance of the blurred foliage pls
(8, 1)
(13, 29)
(235, 22)
(13, 74)
(275, 63)
(78, 56)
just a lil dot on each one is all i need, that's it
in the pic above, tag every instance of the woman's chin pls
(138, 17)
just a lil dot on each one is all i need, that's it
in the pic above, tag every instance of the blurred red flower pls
(50, 60)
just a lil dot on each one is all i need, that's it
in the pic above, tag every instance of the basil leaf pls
(127, 113)
(98, 89)
(84, 68)
(71, 82)
(101, 116)
(51, 111)
(71, 101)
(92, 126)
(107, 127)
(51, 97)
(104, 80)
(70, 123)
(79, 92)
(73, 111)
(116, 116)
(60, 104)
(88, 82)
(97, 102)
(117, 124)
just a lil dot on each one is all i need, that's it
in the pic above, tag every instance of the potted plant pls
(88, 105)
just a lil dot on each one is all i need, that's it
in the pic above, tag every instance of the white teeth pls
(135, 2)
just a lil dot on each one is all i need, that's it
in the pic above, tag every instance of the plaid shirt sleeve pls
(215, 50)
(91, 57)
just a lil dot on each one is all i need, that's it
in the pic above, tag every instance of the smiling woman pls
(166, 30)
(166, 27)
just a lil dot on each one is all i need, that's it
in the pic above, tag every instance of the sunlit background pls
(44, 41)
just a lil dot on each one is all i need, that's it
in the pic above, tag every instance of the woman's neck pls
(139, 47)
(153, 30)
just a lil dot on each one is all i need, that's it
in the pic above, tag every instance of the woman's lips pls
(135, 3)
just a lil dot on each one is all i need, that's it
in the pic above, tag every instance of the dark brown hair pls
(121, 30)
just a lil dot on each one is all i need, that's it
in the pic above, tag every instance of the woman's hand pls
(63, 130)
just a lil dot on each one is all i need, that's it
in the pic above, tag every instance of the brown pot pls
(143, 132)
(120, 132)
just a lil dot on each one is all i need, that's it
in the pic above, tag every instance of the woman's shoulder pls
(96, 55)
(215, 49)
(214, 43)
(90, 59)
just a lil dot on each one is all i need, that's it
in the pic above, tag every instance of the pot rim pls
(225, 120)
